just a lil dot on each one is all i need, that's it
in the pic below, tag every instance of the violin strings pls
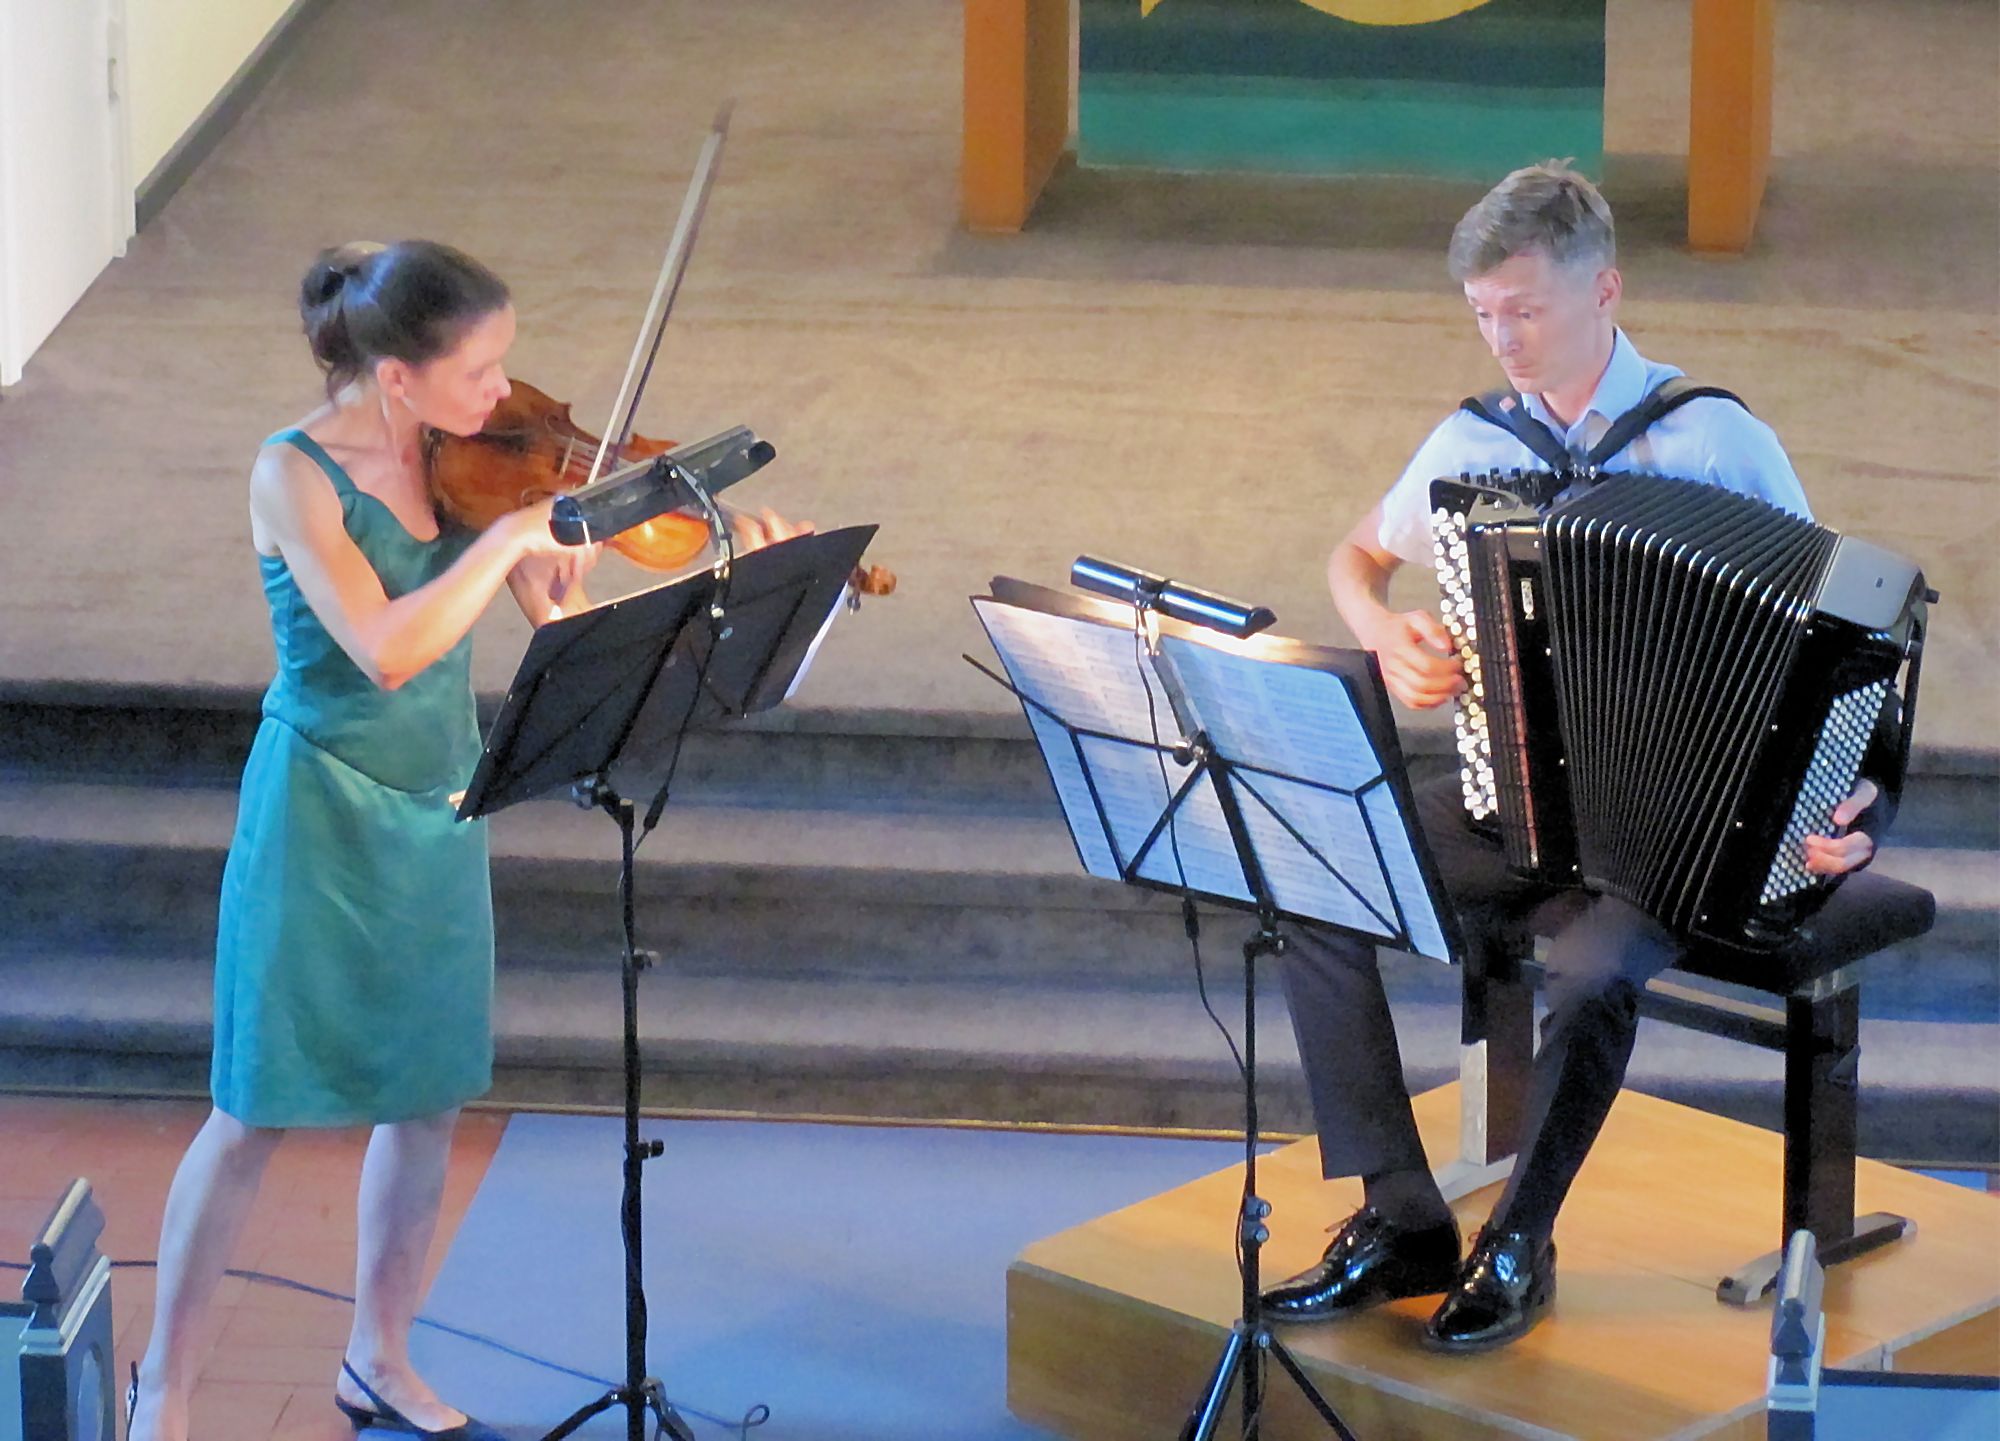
(575, 460)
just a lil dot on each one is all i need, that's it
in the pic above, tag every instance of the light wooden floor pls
(272, 1355)
(1114, 1324)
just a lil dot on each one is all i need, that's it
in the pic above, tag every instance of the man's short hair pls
(1547, 207)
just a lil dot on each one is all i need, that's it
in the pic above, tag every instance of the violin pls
(530, 449)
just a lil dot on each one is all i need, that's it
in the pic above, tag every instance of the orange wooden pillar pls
(1729, 127)
(1016, 107)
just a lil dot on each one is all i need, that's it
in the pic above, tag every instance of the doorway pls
(65, 184)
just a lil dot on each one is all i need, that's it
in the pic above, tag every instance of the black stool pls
(1817, 976)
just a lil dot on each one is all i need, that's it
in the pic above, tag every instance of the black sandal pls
(384, 1417)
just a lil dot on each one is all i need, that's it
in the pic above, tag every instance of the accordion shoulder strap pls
(1661, 401)
(1505, 408)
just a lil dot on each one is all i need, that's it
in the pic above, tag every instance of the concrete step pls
(783, 758)
(732, 888)
(873, 915)
(923, 892)
(1070, 1055)
(780, 758)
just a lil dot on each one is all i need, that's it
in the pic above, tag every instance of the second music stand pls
(1290, 802)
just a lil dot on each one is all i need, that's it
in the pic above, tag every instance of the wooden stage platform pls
(1114, 1326)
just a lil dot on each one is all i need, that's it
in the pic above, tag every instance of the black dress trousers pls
(1593, 973)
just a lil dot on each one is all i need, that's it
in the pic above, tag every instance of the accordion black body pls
(1672, 686)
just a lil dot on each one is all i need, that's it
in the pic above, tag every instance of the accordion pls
(1671, 686)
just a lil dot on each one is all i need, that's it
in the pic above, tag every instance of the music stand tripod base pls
(1251, 1341)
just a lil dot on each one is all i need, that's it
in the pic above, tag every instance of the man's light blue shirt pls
(1710, 440)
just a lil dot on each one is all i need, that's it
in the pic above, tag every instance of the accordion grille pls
(1681, 610)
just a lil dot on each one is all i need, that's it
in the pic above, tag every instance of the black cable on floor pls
(757, 1415)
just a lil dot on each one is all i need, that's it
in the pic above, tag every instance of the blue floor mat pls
(851, 1278)
(1865, 1407)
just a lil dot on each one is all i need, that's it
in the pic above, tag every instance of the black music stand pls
(602, 702)
(1290, 802)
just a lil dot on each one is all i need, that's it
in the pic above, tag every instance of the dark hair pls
(1547, 207)
(411, 301)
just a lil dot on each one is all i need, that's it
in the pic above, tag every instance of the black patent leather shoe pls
(1372, 1259)
(1507, 1284)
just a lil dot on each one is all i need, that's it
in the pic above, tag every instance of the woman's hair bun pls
(332, 268)
(362, 302)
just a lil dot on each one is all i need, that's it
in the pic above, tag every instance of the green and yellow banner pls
(1466, 89)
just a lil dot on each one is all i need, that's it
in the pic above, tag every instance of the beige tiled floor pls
(273, 1353)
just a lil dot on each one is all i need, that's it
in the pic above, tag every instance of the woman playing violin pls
(354, 951)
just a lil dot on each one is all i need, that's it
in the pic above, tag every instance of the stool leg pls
(1822, 1065)
(1497, 1051)
(1822, 1089)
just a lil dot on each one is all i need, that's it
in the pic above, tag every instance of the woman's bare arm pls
(296, 509)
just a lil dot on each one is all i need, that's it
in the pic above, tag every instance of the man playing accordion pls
(1537, 261)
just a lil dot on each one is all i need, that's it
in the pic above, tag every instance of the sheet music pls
(1093, 845)
(846, 596)
(1426, 936)
(1276, 717)
(1085, 673)
(1307, 776)
(1199, 853)
(1331, 822)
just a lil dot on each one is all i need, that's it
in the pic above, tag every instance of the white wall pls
(182, 52)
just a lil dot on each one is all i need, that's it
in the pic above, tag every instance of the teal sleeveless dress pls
(354, 950)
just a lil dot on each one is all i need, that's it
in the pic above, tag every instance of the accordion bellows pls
(1672, 685)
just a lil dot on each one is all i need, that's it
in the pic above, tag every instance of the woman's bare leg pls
(402, 1186)
(206, 1207)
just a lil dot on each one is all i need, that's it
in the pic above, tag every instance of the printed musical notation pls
(1323, 828)
(1276, 717)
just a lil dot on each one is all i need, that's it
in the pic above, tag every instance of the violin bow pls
(640, 368)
